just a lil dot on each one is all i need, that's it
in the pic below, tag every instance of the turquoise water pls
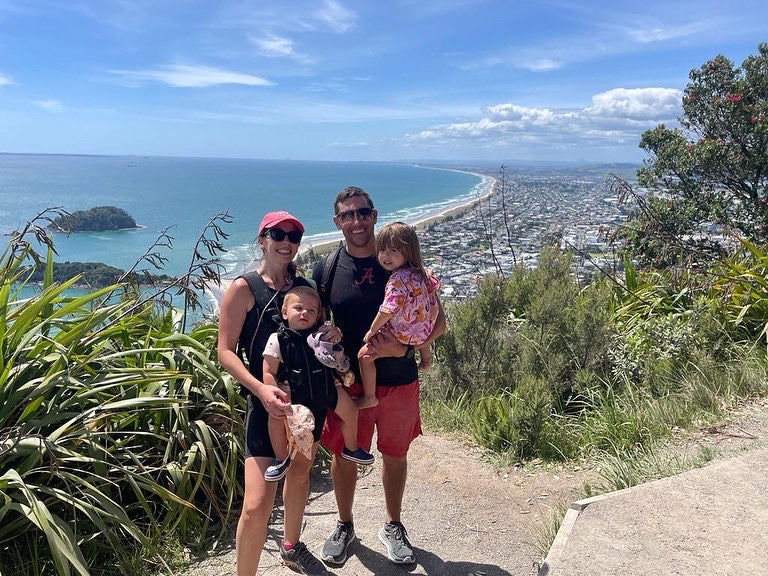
(184, 193)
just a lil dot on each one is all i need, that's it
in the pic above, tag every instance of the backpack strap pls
(326, 280)
(257, 286)
(261, 295)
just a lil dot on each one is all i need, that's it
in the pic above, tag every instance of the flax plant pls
(742, 283)
(115, 431)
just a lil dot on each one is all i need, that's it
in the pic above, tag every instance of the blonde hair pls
(298, 292)
(403, 238)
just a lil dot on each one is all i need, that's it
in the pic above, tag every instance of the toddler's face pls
(391, 259)
(301, 311)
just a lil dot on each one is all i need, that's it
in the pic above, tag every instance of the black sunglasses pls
(349, 215)
(278, 235)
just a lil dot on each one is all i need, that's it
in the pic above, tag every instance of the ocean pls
(183, 194)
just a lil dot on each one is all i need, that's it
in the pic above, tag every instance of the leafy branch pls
(205, 265)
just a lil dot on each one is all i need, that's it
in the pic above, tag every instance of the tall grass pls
(115, 431)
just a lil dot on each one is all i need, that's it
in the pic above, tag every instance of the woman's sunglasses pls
(349, 215)
(278, 235)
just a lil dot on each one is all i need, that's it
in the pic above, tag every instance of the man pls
(354, 290)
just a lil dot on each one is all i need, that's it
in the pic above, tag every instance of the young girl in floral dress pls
(410, 305)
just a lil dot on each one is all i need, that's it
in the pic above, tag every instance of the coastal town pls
(574, 207)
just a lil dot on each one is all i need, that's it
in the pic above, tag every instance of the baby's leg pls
(425, 357)
(277, 433)
(368, 376)
(347, 411)
(278, 437)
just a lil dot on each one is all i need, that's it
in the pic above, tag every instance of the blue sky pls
(356, 79)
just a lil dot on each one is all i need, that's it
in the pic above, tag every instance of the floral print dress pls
(412, 302)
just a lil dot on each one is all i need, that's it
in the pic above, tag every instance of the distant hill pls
(98, 219)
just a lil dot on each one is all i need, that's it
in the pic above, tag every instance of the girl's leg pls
(258, 499)
(425, 357)
(368, 376)
(347, 412)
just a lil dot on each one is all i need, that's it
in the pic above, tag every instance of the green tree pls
(710, 174)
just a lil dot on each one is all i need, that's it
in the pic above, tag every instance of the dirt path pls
(463, 517)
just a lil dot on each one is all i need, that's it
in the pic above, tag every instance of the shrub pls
(115, 431)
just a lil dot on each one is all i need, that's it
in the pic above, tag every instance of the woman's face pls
(279, 251)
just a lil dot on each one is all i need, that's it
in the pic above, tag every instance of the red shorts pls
(396, 418)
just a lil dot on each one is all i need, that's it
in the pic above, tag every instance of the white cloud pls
(189, 77)
(528, 116)
(278, 47)
(616, 116)
(5, 80)
(636, 103)
(541, 64)
(274, 45)
(50, 105)
(664, 33)
(335, 16)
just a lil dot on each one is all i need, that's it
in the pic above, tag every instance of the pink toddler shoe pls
(331, 355)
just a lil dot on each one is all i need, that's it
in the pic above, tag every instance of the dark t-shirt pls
(357, 291)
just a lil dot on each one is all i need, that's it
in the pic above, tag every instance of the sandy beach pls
(442, 226)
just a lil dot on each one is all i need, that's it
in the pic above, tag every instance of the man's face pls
(356, 220)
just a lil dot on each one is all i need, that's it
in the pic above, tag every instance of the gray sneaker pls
(395, 538)
(301, 560)
(335, 547)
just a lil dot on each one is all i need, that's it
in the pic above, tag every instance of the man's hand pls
(383, 344)
(329, 333)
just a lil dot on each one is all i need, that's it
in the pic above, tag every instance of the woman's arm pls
(271, 365)
(237, 300)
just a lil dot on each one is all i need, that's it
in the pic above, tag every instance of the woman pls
(245, 323)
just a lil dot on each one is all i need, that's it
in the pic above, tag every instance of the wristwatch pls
(410, 352)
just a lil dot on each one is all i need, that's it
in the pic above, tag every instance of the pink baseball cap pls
(274, 218)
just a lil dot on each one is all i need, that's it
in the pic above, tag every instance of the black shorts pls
(257, 443)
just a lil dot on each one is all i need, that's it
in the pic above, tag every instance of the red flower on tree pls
(733, 98)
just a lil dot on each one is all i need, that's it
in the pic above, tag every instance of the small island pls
(98, 219)
(96, 274)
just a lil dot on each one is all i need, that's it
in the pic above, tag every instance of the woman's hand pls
(275, 401)
(329, 333)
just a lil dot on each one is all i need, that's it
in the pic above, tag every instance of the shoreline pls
(322, 248)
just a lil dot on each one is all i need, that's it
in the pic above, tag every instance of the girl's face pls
(391, 259)
(300, 311)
